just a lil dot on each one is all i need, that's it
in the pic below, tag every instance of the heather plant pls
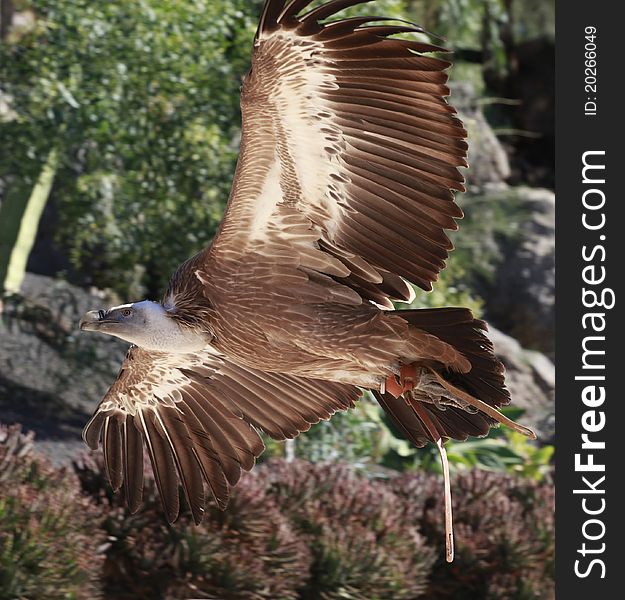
(361, 545)
(248, 552)
(292, 530)
(50, 541)
(504, 530)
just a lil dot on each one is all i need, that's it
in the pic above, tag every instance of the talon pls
(408, 377)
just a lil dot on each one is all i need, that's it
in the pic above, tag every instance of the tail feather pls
(452, 423)
(485, 380)
(404, 418)
(460, 329)
(482, 388)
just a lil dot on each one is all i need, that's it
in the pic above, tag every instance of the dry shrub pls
(248, 552)
(361, 545)
(51, 544)
(504, 528)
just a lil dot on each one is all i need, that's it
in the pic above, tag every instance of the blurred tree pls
(19, 217)
(6, 17)
(485, 25)
(141, 102)
(505, 48)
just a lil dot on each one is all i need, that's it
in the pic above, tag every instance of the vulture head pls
(146, 324)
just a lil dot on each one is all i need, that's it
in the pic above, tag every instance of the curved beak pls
(91, 321)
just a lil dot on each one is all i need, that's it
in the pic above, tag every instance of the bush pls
(360, 543)
(248, 552)
(50, 540)
(504, 530)
(292, 531)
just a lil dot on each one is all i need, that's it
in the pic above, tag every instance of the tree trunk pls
(508, 41)
(19, 221)
(6, 17)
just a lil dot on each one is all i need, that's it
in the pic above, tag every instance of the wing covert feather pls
(198, 416)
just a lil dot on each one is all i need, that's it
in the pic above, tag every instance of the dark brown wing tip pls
(163, 466)
(280, 13)
(113, 457)
(133, 465)
(269, 16)
(93, 429)
(222, 503)
(329, 9)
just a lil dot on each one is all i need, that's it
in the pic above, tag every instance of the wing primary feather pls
(269, 17)
(162, 464)
(133, 464)
(274, 424)
(343, 28)
(171, 427)
(293, 9)
(273, 392)
(93, 430)
(211, 441)
(329, 9)
(384, 31)
(113, 452)
(239, 432)
(215, 478)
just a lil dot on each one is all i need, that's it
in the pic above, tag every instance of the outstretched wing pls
(349, 154)
(198, 416)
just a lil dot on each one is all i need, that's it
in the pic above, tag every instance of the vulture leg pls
(408, 378)
(463, 397)
(432, 383)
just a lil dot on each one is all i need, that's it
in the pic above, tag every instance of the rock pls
(522, 299)
(530, 377)
(52, 376)
(532, 84)
(489, 166)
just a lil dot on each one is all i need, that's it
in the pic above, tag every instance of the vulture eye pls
(126, 312)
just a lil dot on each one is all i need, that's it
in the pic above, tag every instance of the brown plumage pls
(341, 198)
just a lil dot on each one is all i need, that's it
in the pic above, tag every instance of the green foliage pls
(364, 438)
(141, 98)
(488, 219)
(504, 532)
(485, 33)
(359, 436)
(19, 219)
(511, 453)
(502, 451)
(49, 536)
(491, 222)
(463, 22)
(450, 290)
